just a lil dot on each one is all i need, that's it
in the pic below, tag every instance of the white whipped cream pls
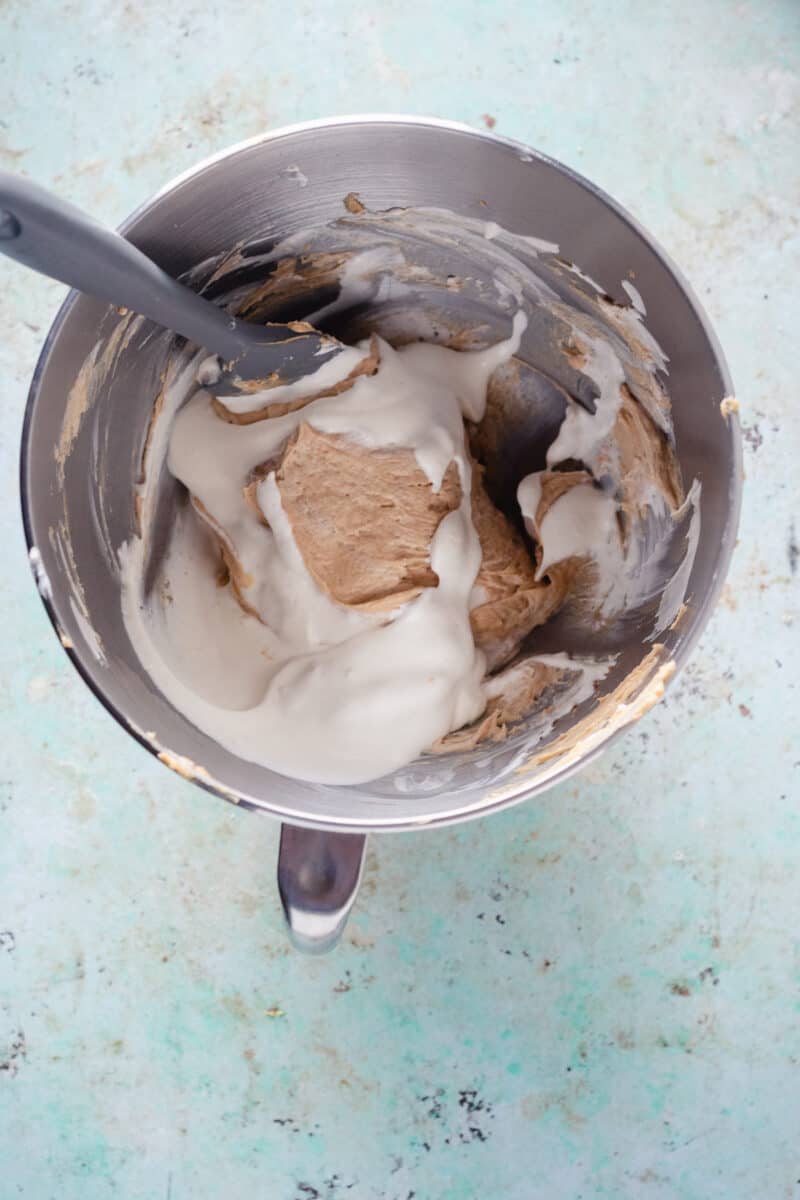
(317, 691)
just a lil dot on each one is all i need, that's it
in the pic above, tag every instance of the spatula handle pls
(51, 236)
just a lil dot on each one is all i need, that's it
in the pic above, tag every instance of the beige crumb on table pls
(728, 405)
(353, 204)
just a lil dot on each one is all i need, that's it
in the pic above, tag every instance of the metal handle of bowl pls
(318, 877)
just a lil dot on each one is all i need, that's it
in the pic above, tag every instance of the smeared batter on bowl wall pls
(352, 581)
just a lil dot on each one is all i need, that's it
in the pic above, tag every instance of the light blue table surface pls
(594, 994)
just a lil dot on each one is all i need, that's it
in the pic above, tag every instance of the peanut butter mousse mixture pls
(341, 594)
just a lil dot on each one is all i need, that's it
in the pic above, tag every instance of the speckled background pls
(595, 994)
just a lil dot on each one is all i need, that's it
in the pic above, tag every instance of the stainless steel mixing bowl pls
(79, 468)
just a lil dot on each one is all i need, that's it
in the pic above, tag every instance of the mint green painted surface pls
(596, 994)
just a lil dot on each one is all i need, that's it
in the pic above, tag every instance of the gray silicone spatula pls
(50, 236)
